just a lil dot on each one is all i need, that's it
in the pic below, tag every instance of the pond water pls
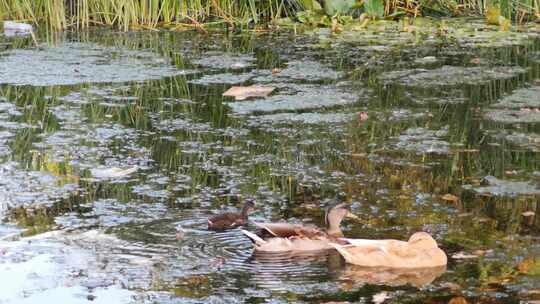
(112, 142)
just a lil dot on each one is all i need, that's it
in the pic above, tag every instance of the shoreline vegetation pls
(257, 14)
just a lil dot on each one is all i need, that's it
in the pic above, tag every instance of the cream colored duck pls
(420, 251)
(287, 237)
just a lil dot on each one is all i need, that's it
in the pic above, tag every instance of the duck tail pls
(340, 248)
(265, 227)
(254, 238)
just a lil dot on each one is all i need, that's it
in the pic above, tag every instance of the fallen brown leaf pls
(528, 213)
(363, 116)
(458, 300)
(241, 93)
(526, 265)
(450, 197)
(475, 61)
(462, 255)
(480, 252)
(380, 297)
(451, 286)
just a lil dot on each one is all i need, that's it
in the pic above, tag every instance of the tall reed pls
(133, 14)
(126, 14)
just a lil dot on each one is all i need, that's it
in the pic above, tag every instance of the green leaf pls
(313, 5)
(374, 8)
(492, 15)
(332, 7)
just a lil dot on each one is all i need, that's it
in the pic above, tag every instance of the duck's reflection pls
(283, 271)
(278, 270)
(359, 275)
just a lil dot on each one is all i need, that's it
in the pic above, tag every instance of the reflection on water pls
(420, 277)
(425, 134)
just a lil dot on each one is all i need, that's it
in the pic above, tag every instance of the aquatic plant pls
(128, 14)
(186, 14)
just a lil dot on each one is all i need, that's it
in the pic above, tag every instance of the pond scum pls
(186, 14)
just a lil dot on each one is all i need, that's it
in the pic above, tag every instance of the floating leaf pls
(380, 297)
(462, 255)
(109, 173)
(450, 197)
(241, 93)
(458, 300)
(530, 265)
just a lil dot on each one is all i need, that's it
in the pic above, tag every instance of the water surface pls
(110, 142)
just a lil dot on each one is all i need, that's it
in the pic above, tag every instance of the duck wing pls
(287, 230)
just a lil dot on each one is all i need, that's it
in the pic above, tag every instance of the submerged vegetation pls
(185, 14)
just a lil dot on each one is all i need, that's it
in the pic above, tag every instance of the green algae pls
(311, 97)
(219, 60)
(306, 118)
(226, 78)
(450, 76)
(503, 187)
(513, 116)
(520, 98)
(74, 63)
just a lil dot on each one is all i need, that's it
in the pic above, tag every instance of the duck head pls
(334, 216)
(249, 207)
(422, 240)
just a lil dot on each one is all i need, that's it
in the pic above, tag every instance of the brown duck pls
(287, 237)
(420, 251)
(231, 220)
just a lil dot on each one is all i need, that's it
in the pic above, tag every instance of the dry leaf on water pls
(241, 93)
(458, 300)
(451, 286)
(363, 116)
(462, 255)
(380, 297)
(450, 197)
(110, 173)
(528, 213)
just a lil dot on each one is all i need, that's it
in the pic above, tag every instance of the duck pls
(230, 220)
(420, 251)
(286, 237)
